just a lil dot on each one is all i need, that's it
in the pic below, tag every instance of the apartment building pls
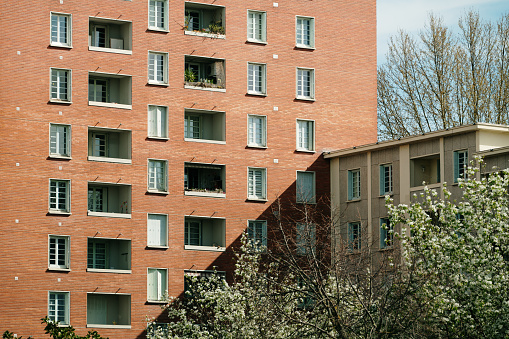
(362, 176)
(143, 137)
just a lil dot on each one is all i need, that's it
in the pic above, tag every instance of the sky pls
(412, 15)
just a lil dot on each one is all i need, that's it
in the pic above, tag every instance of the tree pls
(444, 79)
(58, 332)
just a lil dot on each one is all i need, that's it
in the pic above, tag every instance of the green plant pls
(216, 27)
(189, 75)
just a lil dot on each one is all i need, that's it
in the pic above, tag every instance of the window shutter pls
(156, 230)
(382, 180)
(456, 166)
(161, 122)
(152, 121)
(152, 285)
(350, 185)
(264, 233)
(383, 234)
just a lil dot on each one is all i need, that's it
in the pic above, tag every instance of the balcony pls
(205, 234)
(425, 170)
(109, 145)
(109, 90)
(106, 310)
(108, 35)
(204, 126)
(204, 20)
(204, 180)
(109, 200)
(204, 73)
(109, 255)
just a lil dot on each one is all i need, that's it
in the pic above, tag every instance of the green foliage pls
(189, 75)
(58, 332)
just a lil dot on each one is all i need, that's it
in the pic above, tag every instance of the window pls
(305, 32)
(305, 83)
(460, 163)
(257, 183)
(61, 30)
(157, 176)
(109, 35)
(58, 307)
(157, 230)
(201, 233)
(109, 254)
(256, 26)
(157, 284)
(58, 254)
(305, 187)
(386, 179)
(157, 68)
(157, 122)
(354, 184)
(257, 131)
(306, 238)
(110, 145)
(204, 73)
(59, 196)
(158, 15)
(109, 90)
(59, 140)
(305, 135)
(109, 200)
(204, 180)
(257, 232)
(386, 233)
(61, 85)
(108, 310)
(425, 170)
(204, 126)
(256, 79)
(354, 236)
(204, 19)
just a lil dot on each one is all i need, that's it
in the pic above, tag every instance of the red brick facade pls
(344, 111)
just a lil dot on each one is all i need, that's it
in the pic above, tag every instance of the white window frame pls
(56, 85)
(251, 72)
(59, 141)
(161, 284)
(305, 238)
(354, 184)
(302, 144)
(153, 65)
(252, 187)
(386, 182)
(153, 188)
(67, 302)
(256, 138)
(68, 33)
(299, 91)
(386, 234)
(460, 169)
(305, 197)
(257, 35)
(55, 209)
(157, 126)
(354, 244)
(257, 232)
(300, 43)
(163, 230)
(53, 264)
(165, 16)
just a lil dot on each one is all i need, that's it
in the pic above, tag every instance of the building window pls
(61, 30)
(59, 140)
(386, 233)
(257, 131)
(386, 179)
(158, 15)
(305, 32)
(110, 145)
(157, 68)
(305, 135)
(157, 122)
(157, 176)
(257, 183)
(107, 35)
(58, 307)
(204, 179)
(305, 187)
(354, 184)
(157, 230)
(61, 85)
(204, 126)
(306, 238)
(58, 254)
(157, 284)
(98, 90)
(204, 73)
(59, 196)
(256, 26)
(109, 200)
(109, 90)
(305, 83)
(203, 19)
(425, 170)
(108, 310)
(205, 234)
(256, 79)
(109, 254)
(354, 236)
(460, 163)
(257, 232)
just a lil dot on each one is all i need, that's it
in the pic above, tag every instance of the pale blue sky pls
(411, 15)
